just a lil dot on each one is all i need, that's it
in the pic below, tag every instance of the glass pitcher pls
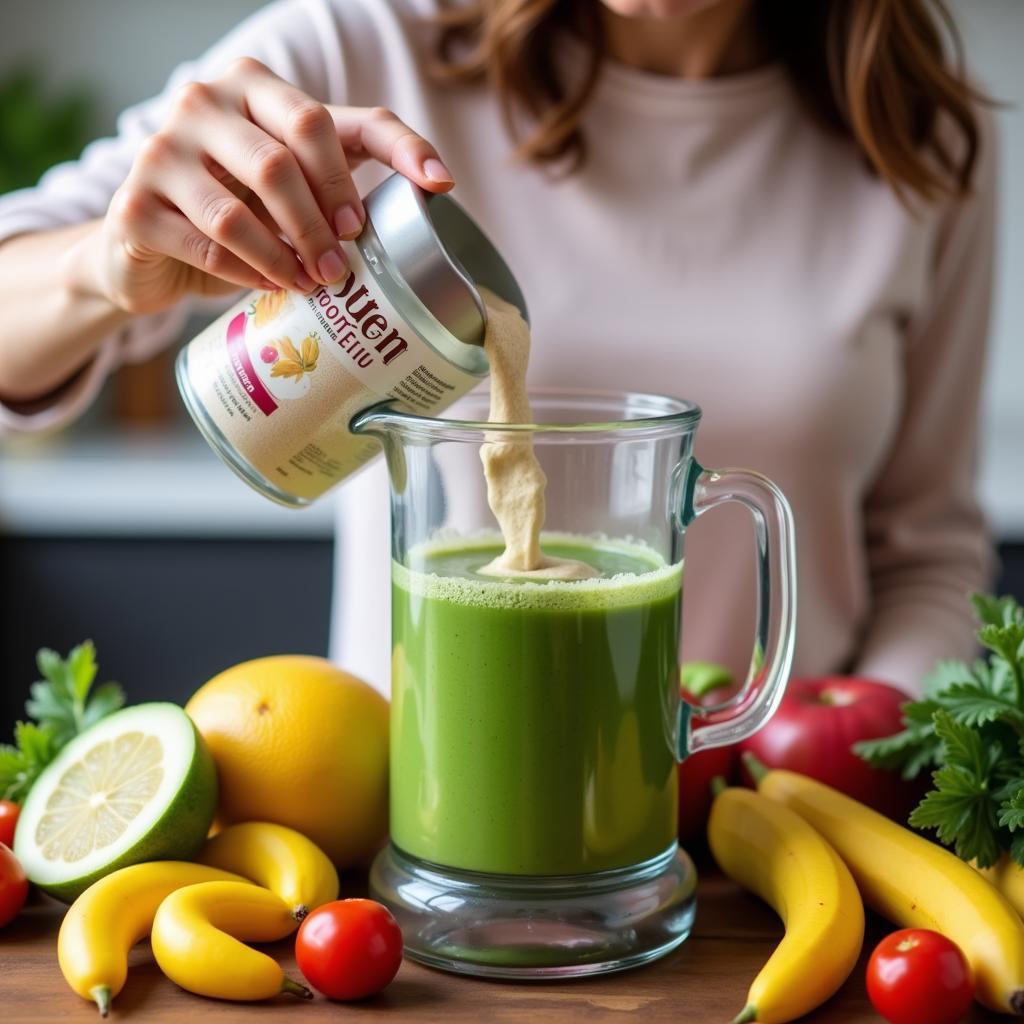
(536, 726)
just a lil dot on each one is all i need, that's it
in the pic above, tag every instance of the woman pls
(782, 210)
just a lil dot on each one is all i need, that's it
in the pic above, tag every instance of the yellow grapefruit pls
(299, 742)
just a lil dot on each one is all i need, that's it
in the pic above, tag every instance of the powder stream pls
(515, 480)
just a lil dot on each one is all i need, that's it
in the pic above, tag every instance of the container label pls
(244, 370)
(282, 375)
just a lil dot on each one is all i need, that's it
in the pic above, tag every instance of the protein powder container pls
(274, 383)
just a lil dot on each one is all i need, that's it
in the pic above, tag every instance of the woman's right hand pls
(240, 162)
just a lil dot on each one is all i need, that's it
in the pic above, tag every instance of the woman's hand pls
(240, 162)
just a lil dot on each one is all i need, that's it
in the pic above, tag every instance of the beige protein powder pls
(515, 480)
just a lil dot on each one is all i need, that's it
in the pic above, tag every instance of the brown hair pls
(888, 74)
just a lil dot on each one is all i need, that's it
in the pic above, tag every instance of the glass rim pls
(679, 412)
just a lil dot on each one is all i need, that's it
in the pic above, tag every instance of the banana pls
(774, 853)
(113, 914)
(914, 883)
(196, 935)
(1008, 878)
(278, 858)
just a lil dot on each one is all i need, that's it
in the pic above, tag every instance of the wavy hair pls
(888, 74)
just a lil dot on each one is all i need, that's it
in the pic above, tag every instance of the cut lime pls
(139, 785)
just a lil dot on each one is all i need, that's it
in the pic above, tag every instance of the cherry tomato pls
(917, 976)
(13, 886)
(9, 812)
(349, 949)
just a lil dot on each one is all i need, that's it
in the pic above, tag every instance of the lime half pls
(139, 785)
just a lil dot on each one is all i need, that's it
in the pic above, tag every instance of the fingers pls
(225, 219)
(307, 129)
(214, 122)
(249, 158)
(295, 120)
(247, 196)
(149, 227)
(262, 214)
(378, 133)
(272, 171)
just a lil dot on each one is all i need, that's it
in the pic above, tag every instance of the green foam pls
(621, 590)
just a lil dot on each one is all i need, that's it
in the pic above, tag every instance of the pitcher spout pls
(379, 420)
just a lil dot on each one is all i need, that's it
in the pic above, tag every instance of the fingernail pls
(304, 282)
(267, 285)
(332, 267)
(347, 222)
(436, 171)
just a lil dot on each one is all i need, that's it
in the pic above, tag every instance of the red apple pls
(705, 684)
(817, 723)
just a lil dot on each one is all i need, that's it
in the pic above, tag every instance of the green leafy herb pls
(970, 728)
(63, 704)
(61, 700)
(22, 764)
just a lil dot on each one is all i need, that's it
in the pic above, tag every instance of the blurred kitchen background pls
(128, 529)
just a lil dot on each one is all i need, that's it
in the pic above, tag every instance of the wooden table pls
(703, 982)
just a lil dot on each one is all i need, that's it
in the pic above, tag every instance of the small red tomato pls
(349, 949)
(917, 976)
(13, 886)
(9, 812)
(269, 354)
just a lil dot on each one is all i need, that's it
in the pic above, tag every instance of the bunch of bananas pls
(256, 882)
(812, 853)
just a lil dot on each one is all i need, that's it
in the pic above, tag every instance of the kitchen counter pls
(170, 484)
(139, 484)
(703, 982)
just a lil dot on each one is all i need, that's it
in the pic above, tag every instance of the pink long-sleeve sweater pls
(717, 245)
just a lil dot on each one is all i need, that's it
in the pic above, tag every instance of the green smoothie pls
(533, 721)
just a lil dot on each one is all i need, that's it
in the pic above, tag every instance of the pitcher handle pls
(775, 634)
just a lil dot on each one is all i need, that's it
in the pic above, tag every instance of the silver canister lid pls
(438, 252)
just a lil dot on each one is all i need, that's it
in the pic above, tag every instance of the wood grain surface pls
(704, 981)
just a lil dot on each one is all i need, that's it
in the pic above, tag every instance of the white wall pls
(994, 36)
(125, 48)
(121, 50)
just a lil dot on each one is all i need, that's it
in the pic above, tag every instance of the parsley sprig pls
(63, 704)
(969, 726)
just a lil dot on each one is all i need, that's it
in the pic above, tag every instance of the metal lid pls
(441, 255)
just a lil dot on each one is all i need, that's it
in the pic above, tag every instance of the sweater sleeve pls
(927, 544)
(293, 38)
